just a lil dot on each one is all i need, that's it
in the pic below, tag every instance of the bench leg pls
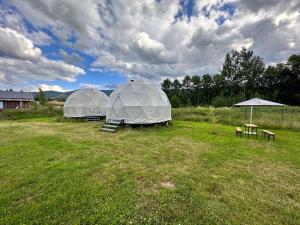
(268, 137)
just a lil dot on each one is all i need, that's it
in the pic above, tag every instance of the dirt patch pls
(168, 184)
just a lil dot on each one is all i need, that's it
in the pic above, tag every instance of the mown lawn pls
(187, 173)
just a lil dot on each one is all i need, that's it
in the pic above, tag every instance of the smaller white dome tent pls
(139, 102)
(86, 102)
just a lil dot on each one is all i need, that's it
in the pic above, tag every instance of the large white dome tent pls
(139, 102)
(86, 102)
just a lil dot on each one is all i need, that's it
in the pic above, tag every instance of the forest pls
(243, 76)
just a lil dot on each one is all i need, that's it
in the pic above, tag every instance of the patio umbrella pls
(257, 102)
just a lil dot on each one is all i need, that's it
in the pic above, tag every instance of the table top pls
(250, 125)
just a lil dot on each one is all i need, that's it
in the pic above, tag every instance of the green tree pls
(196, 80)
(242, 70)
(207, 84)
(268, 82)
(42, 97)
(289, 81)
(167, 86)
(176, 86)
(175, 101)
(187, 89)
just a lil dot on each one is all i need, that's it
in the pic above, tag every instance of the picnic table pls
(250, 129)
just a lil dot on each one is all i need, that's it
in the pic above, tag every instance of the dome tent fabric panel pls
(139, 102)
(86, 102)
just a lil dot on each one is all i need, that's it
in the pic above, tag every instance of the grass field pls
(269, 117)
(188, 173)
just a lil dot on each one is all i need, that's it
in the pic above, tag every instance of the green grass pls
(41, 112)
(70, 173)
(268, 117)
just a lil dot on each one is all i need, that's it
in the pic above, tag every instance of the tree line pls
(243, 76)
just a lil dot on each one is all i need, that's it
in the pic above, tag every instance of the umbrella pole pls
(251, 114)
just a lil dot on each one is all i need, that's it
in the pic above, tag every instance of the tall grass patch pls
(268, 117)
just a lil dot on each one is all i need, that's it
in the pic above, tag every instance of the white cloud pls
(72, 58)
(39, 38)
(144, 38)
(14, 44)
(96, 70)
(90, 86)
(16, 70)
(46, 87)
(9, 18)
(105, 86)
(21, 61)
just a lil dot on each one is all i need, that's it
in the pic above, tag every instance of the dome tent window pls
(86, 102)
(139, 102)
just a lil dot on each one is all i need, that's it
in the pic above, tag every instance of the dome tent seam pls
(154, 108)
(86, 102)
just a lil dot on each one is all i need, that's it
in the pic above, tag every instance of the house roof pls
(14, 95)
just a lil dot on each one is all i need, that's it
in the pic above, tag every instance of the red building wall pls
(15, 104)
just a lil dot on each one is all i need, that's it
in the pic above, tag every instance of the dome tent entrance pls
(86, 102)
(139, 102)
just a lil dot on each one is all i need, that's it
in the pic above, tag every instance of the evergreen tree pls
(187, 89)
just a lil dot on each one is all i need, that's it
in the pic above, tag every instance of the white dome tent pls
(86, 102)
(139, 102)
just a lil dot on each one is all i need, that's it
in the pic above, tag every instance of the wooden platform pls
(111, 125)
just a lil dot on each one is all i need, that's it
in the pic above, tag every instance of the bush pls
(15, 114)
(175, 101)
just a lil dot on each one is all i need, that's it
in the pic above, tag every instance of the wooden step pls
(93, 118)
(110, 126)
(109, 121)
(108, 129)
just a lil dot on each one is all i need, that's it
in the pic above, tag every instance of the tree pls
(241, 71)
(176, 85)
(289, 81)
(207, 83)
(42, 97)
(175, 101)
(268, 82)
(243, 76)
(196, 80)
(187, 89)
(167, 86)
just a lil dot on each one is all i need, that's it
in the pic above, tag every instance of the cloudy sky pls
(70, 44)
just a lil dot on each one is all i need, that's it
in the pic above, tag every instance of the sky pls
(66, 45)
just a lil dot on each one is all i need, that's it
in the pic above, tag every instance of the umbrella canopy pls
(257, 102)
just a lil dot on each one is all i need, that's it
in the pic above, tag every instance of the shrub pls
(15, 114)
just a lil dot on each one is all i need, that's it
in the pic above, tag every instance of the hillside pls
(63, 95)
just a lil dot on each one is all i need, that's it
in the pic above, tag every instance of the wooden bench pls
(238, 131)
(268, 134)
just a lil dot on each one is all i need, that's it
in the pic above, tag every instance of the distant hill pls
(51, 95)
